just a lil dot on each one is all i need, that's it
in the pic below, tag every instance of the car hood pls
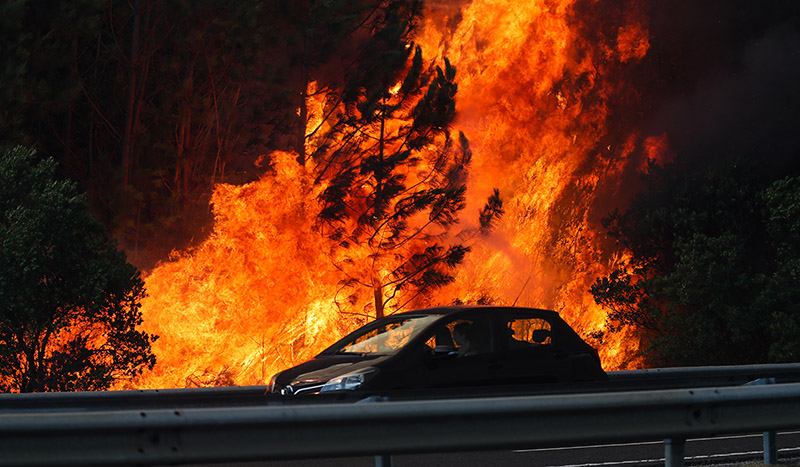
(317, 371)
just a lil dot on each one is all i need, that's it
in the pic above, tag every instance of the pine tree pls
(395, 177)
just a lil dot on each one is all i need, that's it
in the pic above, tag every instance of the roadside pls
(792, 462)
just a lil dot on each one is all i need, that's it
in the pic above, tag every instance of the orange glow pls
(258, 295)
(532, 99)
(253, 297)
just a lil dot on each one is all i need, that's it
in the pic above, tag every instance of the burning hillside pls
(546, 98)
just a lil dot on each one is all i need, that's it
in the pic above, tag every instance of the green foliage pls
(712, 277)
(781, 293)
(69, 301)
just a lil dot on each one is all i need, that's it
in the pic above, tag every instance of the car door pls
(461, 352)
(527, 351)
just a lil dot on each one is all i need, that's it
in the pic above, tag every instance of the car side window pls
(527, 332)
(465, 336)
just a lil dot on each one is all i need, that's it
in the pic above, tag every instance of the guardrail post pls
(770, 448)
(770, 438)
(382, 460)
(674, 452)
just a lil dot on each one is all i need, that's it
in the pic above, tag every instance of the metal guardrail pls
(626, 380)
(137, 399)
(712, 375)
(201, 435)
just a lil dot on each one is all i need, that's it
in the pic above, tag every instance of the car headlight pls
(350, 381)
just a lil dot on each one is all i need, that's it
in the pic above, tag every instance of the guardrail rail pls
(146, 433)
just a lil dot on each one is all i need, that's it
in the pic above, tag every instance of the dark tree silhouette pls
(712, 271)
(69, 301)
(147, 104)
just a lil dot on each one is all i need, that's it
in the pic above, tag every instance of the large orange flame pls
(533, 99)
(534, 91)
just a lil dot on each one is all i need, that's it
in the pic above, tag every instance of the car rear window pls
(524, 332)
(535, 331)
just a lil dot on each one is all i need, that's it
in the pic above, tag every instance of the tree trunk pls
(378, 290)
(303, 124)
(185, 141)
(133, 63)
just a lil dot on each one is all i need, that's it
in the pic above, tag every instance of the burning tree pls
(395, 177)
(69, 300)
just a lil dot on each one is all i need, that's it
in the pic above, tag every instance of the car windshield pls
(387, 338)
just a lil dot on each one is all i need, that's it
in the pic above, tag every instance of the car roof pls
(446, 310)
(567, 335)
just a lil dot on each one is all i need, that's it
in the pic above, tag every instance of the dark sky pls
(728, 80)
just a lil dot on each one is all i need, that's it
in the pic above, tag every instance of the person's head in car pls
(463, 336)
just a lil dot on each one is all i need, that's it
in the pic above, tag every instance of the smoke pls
(725, 81)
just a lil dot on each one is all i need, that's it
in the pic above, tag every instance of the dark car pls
(448, 347)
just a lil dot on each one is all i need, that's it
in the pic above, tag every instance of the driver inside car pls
(465, 339)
